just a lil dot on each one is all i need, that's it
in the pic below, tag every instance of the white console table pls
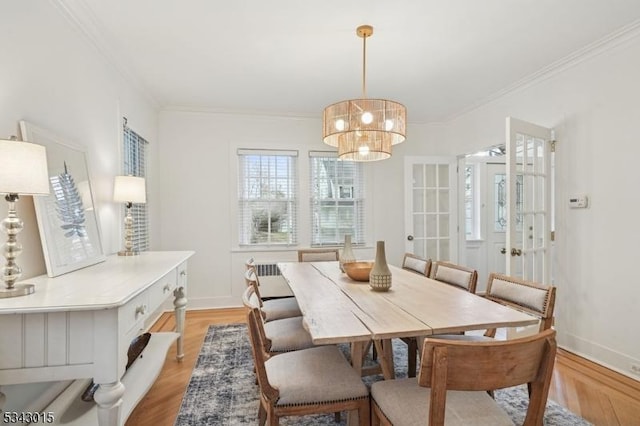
(80, 325)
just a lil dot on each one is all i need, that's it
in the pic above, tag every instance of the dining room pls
(229, 107)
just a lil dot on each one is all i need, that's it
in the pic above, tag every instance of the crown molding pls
(80, 15)
(603, 45)
(236, 112)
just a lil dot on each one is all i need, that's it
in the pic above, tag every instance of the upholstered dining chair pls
(417, 264)
(282, 335)
(449, 273)
(272, 309)
(528, 296)
(318, 255)
(456, 275)
(309, 381)
(455, 375)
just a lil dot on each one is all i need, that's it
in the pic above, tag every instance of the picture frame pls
(67, 218)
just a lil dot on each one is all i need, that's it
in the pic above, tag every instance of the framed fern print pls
(66, 218)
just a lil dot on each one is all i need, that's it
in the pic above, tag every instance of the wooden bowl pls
(358, 271)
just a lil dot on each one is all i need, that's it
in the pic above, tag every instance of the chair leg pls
(262, 415)
(375, 420)
(412, 354)
(364, 414)
(273, 420)
(336, 416)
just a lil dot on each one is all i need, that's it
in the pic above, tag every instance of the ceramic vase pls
(346, 255)
(380, 276)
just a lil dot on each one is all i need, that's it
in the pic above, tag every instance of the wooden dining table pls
(337, 309)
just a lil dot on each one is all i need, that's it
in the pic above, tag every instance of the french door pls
(528, 201)
(431, 223)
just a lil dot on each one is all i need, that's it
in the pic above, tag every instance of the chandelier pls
(364, 129)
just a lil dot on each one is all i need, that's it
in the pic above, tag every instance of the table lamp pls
(129, 190)
(23, 171)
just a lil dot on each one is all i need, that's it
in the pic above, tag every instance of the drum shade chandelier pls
(364, 129)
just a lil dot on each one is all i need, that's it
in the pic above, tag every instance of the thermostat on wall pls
(579, 202)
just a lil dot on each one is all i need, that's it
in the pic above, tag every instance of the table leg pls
(180, 303)
(108, 396)
(385, 358)
(357, 351)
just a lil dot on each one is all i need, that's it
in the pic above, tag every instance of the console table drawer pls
(135, 311)
(162, 289)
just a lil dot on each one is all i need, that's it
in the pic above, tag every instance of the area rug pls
(222, 389)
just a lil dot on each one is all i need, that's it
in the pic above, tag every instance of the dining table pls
(337, 309)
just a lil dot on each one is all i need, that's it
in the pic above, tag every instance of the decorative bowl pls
(358, 271)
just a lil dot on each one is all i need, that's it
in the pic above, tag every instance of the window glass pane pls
(444, 250)
(443, 205)
(337, 200)
(431, 200)
(418, 176)
(430, 175)
(267, 198)
(443, 175)
(134, 155)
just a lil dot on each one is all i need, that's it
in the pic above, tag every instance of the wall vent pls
(267, 269)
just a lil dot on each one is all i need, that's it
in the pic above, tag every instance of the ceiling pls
(293, 57)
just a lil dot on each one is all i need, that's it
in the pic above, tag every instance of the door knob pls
(503, 250)
(516, 252)
(410, 238)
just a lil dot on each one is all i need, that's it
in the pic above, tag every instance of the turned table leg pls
(108, 396)
(180, 303)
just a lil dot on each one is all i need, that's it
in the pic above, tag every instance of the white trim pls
(603, 45)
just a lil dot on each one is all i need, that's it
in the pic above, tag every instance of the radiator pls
(267, 269)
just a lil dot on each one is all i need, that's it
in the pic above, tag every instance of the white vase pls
(380, 276)
(346, 255)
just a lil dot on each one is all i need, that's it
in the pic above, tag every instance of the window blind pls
(337, 199)
(267, 197)
(134, 154)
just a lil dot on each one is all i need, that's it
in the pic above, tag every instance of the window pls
(134, 154)
(337, 200)
(267, 191)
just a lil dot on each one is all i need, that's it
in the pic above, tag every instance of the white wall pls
(53, 77)
(594, 109)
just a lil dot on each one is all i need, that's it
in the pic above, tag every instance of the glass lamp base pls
(128, 253)
(17, 290)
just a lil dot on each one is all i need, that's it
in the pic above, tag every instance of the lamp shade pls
(23, 168)
(129, 189)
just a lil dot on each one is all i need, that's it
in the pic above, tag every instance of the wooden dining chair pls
(272, 309)
(309, 381)
(417, 264)
(456, 275)
(318, 255)
(455, 375)
(448, 273)
(282, 335)
(528, 296)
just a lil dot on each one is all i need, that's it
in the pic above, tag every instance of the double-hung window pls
(337, 200)
(267, 197)
(134, 154)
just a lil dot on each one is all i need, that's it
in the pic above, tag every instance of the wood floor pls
(599, 395)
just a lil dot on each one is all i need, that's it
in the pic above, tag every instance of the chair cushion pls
(453, 276)
(403, 402)
(320, 256)
(287, 334)
(414, 264)
(530, 297)
(316, 375)
(280, 308)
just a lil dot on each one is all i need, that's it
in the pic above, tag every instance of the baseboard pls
(598, 354)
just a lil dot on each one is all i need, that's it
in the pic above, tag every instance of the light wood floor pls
(600, 395)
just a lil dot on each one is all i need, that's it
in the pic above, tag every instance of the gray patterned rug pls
(222, 390)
